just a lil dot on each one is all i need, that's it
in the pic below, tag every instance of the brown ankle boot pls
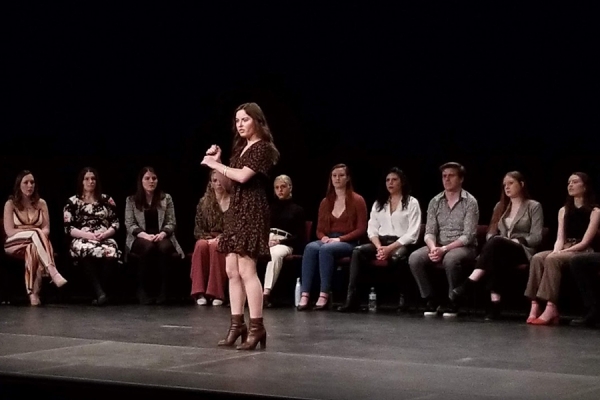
(56, 277)
(257, 335)
(236, 329)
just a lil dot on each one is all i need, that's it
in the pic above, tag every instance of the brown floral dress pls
(246, 222)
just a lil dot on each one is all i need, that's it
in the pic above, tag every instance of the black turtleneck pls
(289, 217)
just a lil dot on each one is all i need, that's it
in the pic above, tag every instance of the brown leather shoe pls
(236, 329)
(257, 334)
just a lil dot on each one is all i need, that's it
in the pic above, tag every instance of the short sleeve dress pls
(246, 222)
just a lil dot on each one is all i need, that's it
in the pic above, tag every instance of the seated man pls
(392, 228)
(450, 238)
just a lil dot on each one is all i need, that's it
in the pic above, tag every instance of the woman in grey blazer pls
(150, 222)
(514, 234)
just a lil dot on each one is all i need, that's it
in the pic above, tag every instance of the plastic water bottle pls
(297, 293)
(372, 300)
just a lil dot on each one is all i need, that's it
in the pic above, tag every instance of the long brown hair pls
(140, 194)
(17, 196)
(505, 203)
(589, 199)
(262, 131)
(330, 196)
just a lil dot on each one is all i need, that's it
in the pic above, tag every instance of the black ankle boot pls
(351, 304)
(493, 311)
(402, 306)
(463, 291)
(591, 319)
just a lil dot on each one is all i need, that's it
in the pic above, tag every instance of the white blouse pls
(404, 223)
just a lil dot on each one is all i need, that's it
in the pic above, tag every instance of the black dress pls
(246, 222)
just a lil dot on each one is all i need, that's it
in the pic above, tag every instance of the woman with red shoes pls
(577, 225)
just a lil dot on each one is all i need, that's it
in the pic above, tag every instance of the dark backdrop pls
(496, 87)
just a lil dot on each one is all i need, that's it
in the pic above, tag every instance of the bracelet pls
(225, 171)
(444, 249)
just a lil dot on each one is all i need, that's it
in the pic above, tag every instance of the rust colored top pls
(352, 224)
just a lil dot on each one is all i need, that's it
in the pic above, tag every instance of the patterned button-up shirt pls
(445, 224)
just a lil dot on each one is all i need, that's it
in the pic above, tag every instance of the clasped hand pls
(436, 254)
(213, 154)
(327, 239)
(383, 253)
(97, 236)
(152, 238)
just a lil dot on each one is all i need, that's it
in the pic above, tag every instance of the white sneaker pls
(217, 302)
(201, 301)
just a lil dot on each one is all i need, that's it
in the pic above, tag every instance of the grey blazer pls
(136, 223)
(526, 228)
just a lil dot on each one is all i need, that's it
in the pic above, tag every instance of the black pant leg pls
(498, 256)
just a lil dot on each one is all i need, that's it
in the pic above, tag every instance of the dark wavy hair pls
(140, 194)
(589, 198)
(97, 189)
(384, 196)
(505, 202)
(262, 130)
(17, 196)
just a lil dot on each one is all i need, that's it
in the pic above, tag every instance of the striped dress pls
(31, 244)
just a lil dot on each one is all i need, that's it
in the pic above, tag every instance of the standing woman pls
(27, 228)
(246, 223)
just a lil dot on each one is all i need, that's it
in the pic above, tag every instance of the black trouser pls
(152, 254)
(99, 272)
(498, 256)
(367, 252)
(585, 269)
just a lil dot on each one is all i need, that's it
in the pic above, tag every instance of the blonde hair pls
(286, 179)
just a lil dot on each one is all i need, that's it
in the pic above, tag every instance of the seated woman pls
(150, 223)
(287, 229)
(577, 225)
(341, 223)
(27, 227)
(514, 234)
(90, 219)
(393, 227)
(208, 265)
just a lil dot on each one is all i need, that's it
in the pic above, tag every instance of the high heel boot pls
(236, 329)
(93, 273)
(257, 335)
(56, 277)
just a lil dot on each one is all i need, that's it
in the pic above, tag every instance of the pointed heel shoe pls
(236, 329)
(256, 335)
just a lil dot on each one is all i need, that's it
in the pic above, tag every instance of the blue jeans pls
(322, 256)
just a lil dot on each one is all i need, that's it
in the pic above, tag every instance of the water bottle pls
(298, 293)
(372, 300)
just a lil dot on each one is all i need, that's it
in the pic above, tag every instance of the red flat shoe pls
(550, 322)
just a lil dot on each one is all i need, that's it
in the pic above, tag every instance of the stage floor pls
(313, 355)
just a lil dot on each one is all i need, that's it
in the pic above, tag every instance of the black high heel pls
(324, 306)
(305, 306)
